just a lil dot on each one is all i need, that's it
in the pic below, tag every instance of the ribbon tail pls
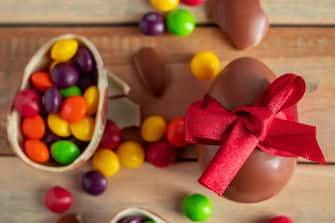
(231, 156)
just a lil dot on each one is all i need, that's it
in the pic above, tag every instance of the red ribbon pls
(261, 125)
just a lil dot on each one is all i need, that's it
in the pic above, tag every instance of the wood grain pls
(305, 199)
(129, 11)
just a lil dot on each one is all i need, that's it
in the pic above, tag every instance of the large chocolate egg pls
(263, 175)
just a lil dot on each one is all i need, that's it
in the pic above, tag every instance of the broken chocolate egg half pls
(263, 175)
(138, 212)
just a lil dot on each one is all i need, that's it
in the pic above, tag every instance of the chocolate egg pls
(263, 175)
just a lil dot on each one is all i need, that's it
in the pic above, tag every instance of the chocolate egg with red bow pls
(263, 175)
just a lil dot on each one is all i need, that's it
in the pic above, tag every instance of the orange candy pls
(74, 109)
(41, 81)
(33, 127)
(37, 151)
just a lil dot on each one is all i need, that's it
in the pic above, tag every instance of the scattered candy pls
(41, 81)
(52, 100)
(70, 91)
(57, 199)
(91, 96)
(205, 65)
(164, 5)
(94, 183)
(180, 22)
(84, 60)
(175, 133)
(281, 219)
(112, 136)
(152, 23)
(64, 152)
(58, 125)
(70, 218)
(131, 219)
(27, 103)
(197, 207)
(161, 154)
(37, 151)
(153, 128)
(33, 127)
(63, 50)
(83, 129)
(131, 154)
(193, 2)
(106, 161)
(73, 109)
(65, 75)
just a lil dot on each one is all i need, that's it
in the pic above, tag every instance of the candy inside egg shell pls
(118, 216)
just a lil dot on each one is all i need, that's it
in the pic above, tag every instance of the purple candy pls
(84, 60)
(50, 138)
(94, 183)
(84, 82)
(152, 23)
(82, 145)
(131, 219)
(52, 100)
(65, 75)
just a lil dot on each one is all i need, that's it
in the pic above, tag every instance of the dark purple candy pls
(50, 138)
(65, 75)
(84, 60)
(82, 145)
(52, 100)
(84, 82)
(152, 23)
(94, 183)
(131, 219)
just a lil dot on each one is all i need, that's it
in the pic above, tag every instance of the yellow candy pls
(83, 129)
(63, 50)
(91, 96)
(58, 125)
(153, 128)
(131, 154)
(106, 161)
(164, 5)
(205, 65)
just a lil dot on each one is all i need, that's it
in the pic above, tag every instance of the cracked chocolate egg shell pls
(263, 175)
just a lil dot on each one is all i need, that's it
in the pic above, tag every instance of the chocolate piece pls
(263, 175)
(151, 70)
(244, 21)
(70, 218)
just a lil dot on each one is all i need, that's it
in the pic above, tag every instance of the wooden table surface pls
(301, 40)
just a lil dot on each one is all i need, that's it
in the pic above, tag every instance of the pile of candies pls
(180, 22)
(58, 109)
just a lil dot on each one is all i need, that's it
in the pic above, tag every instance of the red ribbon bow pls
(240, 131)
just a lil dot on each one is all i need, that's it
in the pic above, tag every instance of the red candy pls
(74, 109)
(27, 103)
(175, 133)
(111, 137)
(281, 219)
(161, 154)
(41, 81)
(33, 127)
(58, 199)
(193, 2)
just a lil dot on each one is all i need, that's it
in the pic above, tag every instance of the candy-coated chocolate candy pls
(106, 161)
(57, 199)
(65, 75)
(205, 65)
(73, 109)
(91, 96)
(164, 5)
(33, 127)
(81, 144)
(64, 152)
(152, 23)
(131, 154)
(280, 219)
(85, 81)
(52, 100)
(131, 219)
(83, 129)
(41, 80)
(58, 125)
(70, 218)
(63, 50)
(94, 183)
(84, 60)
(27, 103)
(153, 128)
(193, 2)
(50, 138)
(53, 64)
(149, 221)
(180, 22)
(70, 91)
(175, 133)
(160, 154)
(111, 137)
(197, 207)
(36, 150)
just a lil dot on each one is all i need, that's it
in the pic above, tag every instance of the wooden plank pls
(308, 52)
(305, 199)
(120, 11)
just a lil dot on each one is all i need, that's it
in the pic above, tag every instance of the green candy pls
(197, 207)
(70, 91)
(149, 221)
(64, 152)
(180, 22)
